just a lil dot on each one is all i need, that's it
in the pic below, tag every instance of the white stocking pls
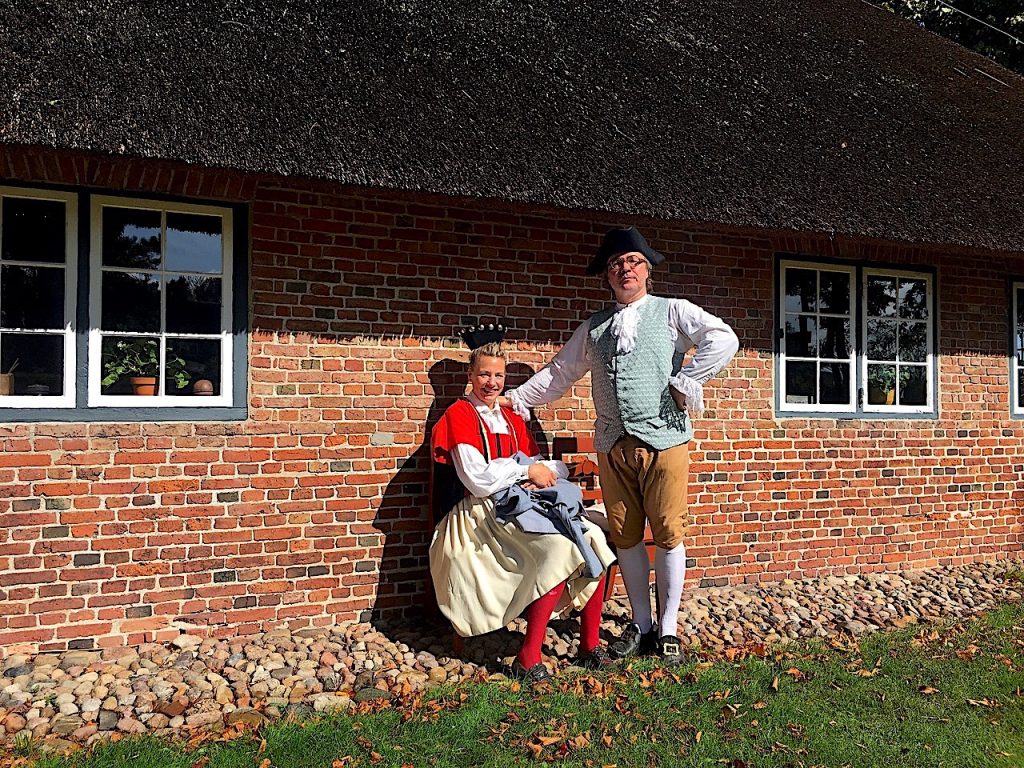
(635, 567)
(670, 569)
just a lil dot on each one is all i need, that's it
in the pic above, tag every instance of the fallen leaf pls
(927, 690)
(775, 683)
(606, 740)
(342, 762)
(201, 762)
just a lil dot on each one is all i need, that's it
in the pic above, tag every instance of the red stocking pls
(590, 618)
(537, 616)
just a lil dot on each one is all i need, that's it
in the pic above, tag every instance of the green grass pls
(899, 699)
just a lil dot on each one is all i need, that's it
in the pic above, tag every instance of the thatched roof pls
(821, 115)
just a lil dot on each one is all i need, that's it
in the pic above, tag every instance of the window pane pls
(32, 297)
(801, 290)
(835, 383)
(913, 385)
(881, 340)
(801, 336)
(124, 358)
(193, 243)
(193, 367)
(800, 382)
(882, 296)
(835, 293)
(913, 298)
(131, 238)
(834, 337)
(40, 362)
(913, 342)
(881, 384)
(193, 304)
(131, 302)
(33, 230)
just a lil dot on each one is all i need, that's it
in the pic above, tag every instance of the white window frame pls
(818, 267)
(929, 363)
(70, 200)
(95, 397)
(1016, 344)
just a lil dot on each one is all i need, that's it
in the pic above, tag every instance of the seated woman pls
(517, 539)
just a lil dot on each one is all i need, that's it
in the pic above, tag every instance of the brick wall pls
(314, 509)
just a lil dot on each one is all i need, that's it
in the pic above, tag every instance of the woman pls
(489, 560)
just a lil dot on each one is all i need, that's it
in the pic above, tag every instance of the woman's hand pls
(541, 476)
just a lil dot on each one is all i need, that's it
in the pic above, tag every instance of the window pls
(159, 304)
(1017, 350)
(855, 340)
(138, 313)
(38, 259)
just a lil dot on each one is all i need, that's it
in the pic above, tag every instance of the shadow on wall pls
(404, 519)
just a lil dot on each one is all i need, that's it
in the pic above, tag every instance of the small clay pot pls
(203, 387)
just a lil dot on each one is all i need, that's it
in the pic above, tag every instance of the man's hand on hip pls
(679, 397)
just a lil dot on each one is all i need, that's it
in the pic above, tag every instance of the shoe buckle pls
(670, 648)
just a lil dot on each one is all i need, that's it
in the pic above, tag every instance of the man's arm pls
(554, 379)
(716, 345)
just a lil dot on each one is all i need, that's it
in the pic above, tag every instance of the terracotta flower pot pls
(143, 385)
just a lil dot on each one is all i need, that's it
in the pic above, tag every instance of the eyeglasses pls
(626, 262)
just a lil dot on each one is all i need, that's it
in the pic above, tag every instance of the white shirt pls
(689, 326)
(482, 477)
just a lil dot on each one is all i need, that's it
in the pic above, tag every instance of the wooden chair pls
(580, 455)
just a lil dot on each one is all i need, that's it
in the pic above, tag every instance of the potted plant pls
(882, 384)
(139, 360)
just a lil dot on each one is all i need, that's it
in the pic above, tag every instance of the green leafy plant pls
(23, 744)
(140, 357)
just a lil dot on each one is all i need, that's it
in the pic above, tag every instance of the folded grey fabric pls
(554, 510)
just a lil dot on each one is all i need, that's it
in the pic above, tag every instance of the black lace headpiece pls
(484, 333)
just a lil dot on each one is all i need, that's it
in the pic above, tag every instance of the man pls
(515, 538)
(644, 406)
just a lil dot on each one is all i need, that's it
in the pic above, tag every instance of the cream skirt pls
(485, 572)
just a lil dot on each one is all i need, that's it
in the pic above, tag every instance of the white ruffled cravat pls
(624, 327)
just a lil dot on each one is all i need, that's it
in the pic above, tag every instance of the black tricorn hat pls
(485, 333)
(618, 241)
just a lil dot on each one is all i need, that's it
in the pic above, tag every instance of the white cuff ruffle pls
(518, 408)
(692, 391)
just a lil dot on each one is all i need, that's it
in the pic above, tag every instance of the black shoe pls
(635, 643)
(670, 649)
(538, 673)
(597, 659)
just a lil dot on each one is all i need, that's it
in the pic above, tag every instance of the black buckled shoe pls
(670, 649)
(597, 659)
(633, 642)
(538, 673)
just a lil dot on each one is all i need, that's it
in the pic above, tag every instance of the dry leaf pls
(775, 683)
(201, 762)
(342, 762)
(606, 740)
(265, 763)
(927, 690)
